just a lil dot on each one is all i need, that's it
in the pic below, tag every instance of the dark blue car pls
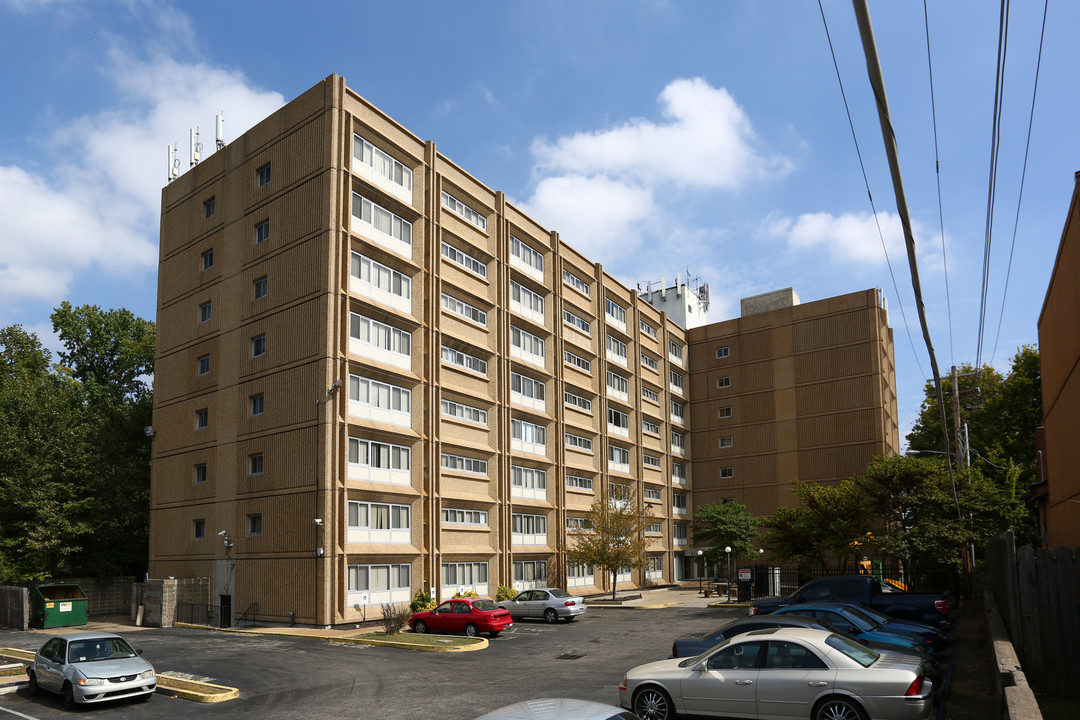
(851, 620)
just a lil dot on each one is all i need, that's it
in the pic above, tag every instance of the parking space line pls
(16, 713)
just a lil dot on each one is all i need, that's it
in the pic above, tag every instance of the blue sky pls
(656, 137)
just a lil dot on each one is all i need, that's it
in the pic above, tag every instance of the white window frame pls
(393, 463)
(258, 345)
(359, 579)
(578, 442)
(381, 226)
(727, 472)
(678, 412)
(464, 259)
(461, 577)
(722, 412)
(461, 411)
(526, 347)
(526, 303)
(361, 519)
(618, 459)
(678, 473)
(650, 362)
(580, 575)
(529, 574)
(581, 363)
(618, 387)
(678, 442)
(652, 461)
(723, 352)
(648, 329)
(723, 381)
(465, 310)
(617, 351)
(678, 504)
(464, 360)
(579, 482)
(381, 283)
(576, 321)
(726, 441)
(675, 352)
(680, 535)
(618, 422)
(376, 340)
(382, 402)
(528, 437)
(677, 382)
(454, 205)
(528, 529)
(377, 166)
(529, 483)
(650, 394)
(580, 402)
(650, 427)
(582, 286)
(464, 516)
(528, 392)
(525, 258)
(463, 464)
(616, 314)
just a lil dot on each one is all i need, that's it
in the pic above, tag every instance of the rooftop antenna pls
(196, 146)
(220, 123)
(174, 163)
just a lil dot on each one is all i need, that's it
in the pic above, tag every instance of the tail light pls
(674, 650)
(752, 611)
(942, 606)
(915, 688)
(569, 603)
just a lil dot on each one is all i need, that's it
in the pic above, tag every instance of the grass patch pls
(11, 672)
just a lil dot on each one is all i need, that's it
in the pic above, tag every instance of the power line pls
(937, 173)
(869, 195)
(1023, 176)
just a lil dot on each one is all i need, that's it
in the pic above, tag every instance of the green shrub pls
(422, 602)
(505, 593)
(467, 593)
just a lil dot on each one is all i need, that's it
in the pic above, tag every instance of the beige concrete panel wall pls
(840, 428)
(294, 216)
(182, 273)
(279, 585)
(1058, 337)
(184, 222)
(465, 331)
(176, 530)
(295, 156)
(288, 398)
(836, 463)
(179, 418)
(842, 394)
(176, 374)
(175, 478)
(835, 363)
(470, 435)
(181, 321)
(580, 462)
(834, 330)
(292, 335)
(296, 273)
(287, 526)
(289, 461)
(467, 540)
(463, 382)
(473, 489)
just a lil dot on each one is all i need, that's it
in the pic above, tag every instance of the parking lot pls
(290, 677)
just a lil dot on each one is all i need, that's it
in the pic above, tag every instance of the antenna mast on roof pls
(220, 123)
(174, 164)
(196, 146)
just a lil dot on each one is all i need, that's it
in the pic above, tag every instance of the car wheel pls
(420, 627)
(571, 618)
(147, 697)
(69, 697)
(551, 616)
(33, 683)
(494, 634)
(652, 703)
(838, 708)
(471, 630)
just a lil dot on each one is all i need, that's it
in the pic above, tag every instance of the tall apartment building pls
(787, 392)
(375, 375)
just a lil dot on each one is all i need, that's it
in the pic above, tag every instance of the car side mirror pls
(139, 653)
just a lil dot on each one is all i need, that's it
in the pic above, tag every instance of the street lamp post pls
(728, 551)
(701, 574)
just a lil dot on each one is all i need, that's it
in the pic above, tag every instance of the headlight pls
(146, 674)
(91, 681)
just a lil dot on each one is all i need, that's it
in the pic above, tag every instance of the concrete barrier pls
(1009, 680)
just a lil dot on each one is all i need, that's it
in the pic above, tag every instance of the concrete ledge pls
(478, 643)
(481, 644)
(1009, 680)
(196, 690)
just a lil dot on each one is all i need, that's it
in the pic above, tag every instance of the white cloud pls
(851, 238)
(601, 217)
(707, 142)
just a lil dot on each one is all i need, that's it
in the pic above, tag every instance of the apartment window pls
(677, 382)
(386, 222)
(726, 441)
(654, 529)
(379, 335)
(650, 394)
(727, 472)
(199, 529)
(383, 456)
(618, 383)
(723, 412)
(618, 419)
(255, 464)
(650, 362)
(616, 349)
(258, 346)
(651, 460)
(619, 492)
(200, 474)
(579, 482)
(678, 473)
(577, 361)
(652, 494)
(675, 350)
(471, 573)
(531, 346)
(380, 277)
(528, 387)
(464, 412)
(648, 329)
(524, 253)
(255, 404)
(529, 524)
(650, 427)
(577, 321)
(528, 478)
(366, 153)
(577, 523)
(262, 175)
(464, 360)
(254, 524)
(526, 298)
(618, 455)
(678, 441)
(722, 352)
(381, 579)
(678, 503)
(464, 309)
(464, 259)
(205, 311)
(616, 312)
(680, 534)
(365, 517)
(209, 207)
(202, 364)
(208, 259)
(202, 419)
(723, 382)
(578, 401)
(461, 516)
(531, 571)
(452, 203)
(460, 463)
(678, 412)
(377, 395)
(575, 282)
(529, 433)
(260, 288)
(579, 442)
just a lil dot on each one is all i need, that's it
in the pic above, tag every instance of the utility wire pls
(995, 143)
(1023, 176)
(937, 173)
(866, 182)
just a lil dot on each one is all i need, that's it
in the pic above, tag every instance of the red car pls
(471, 616)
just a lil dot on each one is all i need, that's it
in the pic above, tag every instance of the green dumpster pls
(57, 605)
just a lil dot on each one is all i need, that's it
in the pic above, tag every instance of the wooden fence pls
(1037, 592)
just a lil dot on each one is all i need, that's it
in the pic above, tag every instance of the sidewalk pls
(664, 597)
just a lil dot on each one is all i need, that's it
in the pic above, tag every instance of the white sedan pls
(782, 674)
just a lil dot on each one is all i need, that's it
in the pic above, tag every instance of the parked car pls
(471, 616)
(849, 619)
(559, 709)
(782, 672)
(697, 643)
(933, 608)
(931, 635)
(87, 667)
(548, 603)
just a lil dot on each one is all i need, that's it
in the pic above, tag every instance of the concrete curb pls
(478, 644)
(1010, 681)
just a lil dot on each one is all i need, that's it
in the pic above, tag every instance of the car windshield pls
(484, 605)
(94, 649)
(698, 658)
(556, 593)
(872, 613)
(861, 615)
(853, 649)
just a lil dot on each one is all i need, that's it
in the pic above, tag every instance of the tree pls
(614, 536)
(831, 523)
(726, 524)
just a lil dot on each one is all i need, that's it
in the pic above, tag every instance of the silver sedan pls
(782, 674)
(91, 667)
(548, 603)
